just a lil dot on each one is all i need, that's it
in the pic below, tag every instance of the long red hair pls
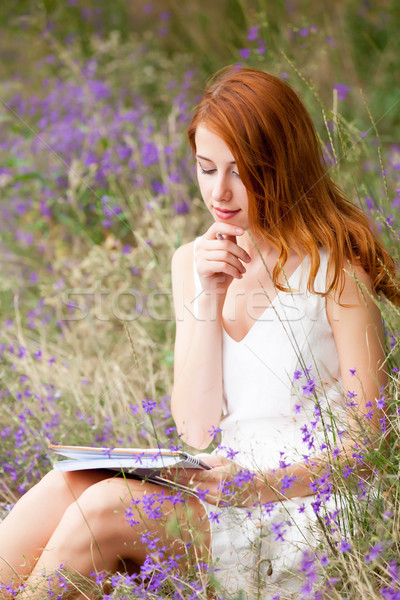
(293, 201)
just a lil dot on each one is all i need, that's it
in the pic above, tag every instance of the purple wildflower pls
(374, 552)
(214, 431)
(245, 53)
(287, 483)
(214, 516)
(347, 471)
(309, 568)
(282, 461)
(149, 154)
(22, 352)
(98, 577)
(252, 34)
(261, 47)
(342, 90)
(277, 528)
(393, 570)
(390, 594)
(149, 539)
(369, 203)
(242, 477)
(370, 413)
(383, 424)
(351, 395)
(336, 452)
(268, 507)
(307, 438)
(149, 405)
(152, 505)
(134, 409)
(230, 453)
(344, 546)
(381, 402)
(181, 208)
(202, 494)
(309, 387)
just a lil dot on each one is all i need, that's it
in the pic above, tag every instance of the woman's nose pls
(221, 189)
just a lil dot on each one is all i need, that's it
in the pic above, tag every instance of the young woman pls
(277, 329)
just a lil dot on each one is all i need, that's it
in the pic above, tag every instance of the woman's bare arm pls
(197, 393)
(358, 331)
(196, 400)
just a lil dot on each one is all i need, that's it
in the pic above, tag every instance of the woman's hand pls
(226, 482)
(219, 260)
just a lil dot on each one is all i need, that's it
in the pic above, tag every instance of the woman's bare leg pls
(28, 527)
(94, 534)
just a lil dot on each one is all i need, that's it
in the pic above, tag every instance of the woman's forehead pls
(211, 146)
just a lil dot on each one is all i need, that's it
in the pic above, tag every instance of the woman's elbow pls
(194, 437)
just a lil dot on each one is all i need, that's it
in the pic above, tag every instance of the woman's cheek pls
(206, 195)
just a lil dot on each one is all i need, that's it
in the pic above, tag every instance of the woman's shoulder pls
(356, 284)
(336, 280)
(183, 256)
(182, 266)
(352, 275)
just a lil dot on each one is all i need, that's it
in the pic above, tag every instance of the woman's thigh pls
(30, 524)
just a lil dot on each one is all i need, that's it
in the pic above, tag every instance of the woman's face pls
(220, 185)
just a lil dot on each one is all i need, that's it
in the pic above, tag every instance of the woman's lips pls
(225, 214)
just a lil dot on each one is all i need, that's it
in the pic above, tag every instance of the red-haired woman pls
(277, 330)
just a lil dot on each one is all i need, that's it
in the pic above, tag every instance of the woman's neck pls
(255, 244)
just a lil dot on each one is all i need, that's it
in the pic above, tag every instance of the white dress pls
(270, 421)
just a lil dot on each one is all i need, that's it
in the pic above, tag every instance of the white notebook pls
(141, 462)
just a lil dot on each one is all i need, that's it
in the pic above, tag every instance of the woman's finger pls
(215, 460)
(229, 246)
(219, 256)
(225, 246)
(220, 268)
(224, 229)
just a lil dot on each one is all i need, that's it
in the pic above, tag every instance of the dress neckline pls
(270, 306)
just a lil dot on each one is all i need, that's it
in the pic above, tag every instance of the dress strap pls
(320, 280)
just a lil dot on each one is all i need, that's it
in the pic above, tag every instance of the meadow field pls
(98, 189)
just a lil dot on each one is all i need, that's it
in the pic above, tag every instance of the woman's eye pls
(212, 171)
(207, 172)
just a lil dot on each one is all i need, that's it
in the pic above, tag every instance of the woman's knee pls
(51, 486)
(56, 490)
(96, 520)
(100, 504)
(70, 484)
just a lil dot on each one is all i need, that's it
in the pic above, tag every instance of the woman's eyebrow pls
(233, 162)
